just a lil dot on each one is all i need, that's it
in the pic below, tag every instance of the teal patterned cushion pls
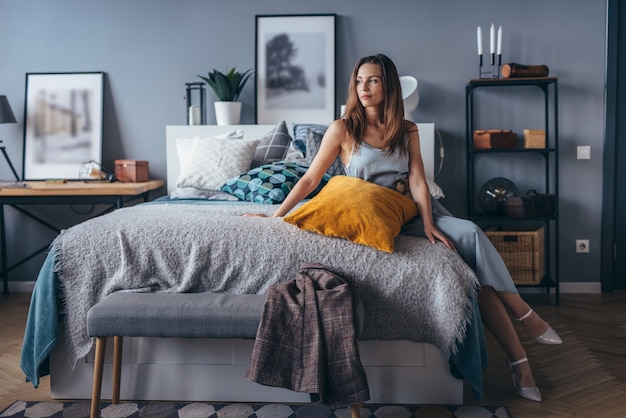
(269, 183)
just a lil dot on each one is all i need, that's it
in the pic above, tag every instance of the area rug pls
(80, 409)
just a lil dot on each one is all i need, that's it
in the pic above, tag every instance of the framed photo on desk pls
(62, 124)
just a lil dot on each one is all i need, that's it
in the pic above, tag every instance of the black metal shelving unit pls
(549, 87)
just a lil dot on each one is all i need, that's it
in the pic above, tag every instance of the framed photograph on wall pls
(62, 124)
(295, 68)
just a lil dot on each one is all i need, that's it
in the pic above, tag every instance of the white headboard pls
(426, 131)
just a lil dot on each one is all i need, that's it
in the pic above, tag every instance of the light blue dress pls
(375, 165)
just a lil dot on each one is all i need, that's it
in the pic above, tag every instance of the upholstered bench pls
(168, 315)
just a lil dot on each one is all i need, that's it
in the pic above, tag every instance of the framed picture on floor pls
(62, 124)
(295, 68)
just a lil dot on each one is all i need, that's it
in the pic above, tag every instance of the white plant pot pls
(227, 113)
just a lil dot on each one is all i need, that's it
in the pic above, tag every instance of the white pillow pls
(183, 145)
(238, 134)
(435, 190)
(211, 162)
(183, 150)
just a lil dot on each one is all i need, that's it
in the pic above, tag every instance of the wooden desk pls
(73, 192)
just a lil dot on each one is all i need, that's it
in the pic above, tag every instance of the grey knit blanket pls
(420, 292)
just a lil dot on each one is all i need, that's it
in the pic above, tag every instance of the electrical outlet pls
(582, 245)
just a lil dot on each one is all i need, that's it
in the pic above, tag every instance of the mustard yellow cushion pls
(358, 210)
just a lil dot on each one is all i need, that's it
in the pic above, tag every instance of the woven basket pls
(522, 251)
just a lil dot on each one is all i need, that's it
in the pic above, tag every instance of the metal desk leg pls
(119, 201)
(3, 242)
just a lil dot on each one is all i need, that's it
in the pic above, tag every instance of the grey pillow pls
(273, 146)
(312, 141)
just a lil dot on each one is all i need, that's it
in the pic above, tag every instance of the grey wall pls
(150, 48)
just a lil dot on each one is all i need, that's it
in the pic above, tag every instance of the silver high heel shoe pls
(529, 392)
(548, 337)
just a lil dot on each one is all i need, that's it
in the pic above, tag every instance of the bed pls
(422, 333)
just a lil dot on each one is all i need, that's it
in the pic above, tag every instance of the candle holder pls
(195, 106)
(481, 73)
(494, 71)
(495, 67)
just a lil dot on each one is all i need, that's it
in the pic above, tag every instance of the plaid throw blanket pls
(306, 339)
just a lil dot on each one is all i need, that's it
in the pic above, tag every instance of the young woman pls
(375, 143)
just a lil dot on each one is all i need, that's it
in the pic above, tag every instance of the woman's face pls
(369, 85)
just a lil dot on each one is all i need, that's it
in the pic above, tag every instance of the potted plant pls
(227, 87)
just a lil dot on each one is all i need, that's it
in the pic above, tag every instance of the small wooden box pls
(492, 138)
(534, 138)
(131, 170)
(522, 251)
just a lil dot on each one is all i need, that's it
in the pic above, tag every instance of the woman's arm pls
(420, 192)
(327, 154)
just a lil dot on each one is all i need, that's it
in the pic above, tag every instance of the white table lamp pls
(410, 95)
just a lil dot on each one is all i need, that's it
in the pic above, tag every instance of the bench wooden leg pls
(98, 365)
(356, 410)
(117, 369)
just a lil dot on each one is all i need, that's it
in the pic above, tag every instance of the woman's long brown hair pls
(392, 117)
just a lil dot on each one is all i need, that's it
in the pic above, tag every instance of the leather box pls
(530, 206)
(131, 170)
(494, 138)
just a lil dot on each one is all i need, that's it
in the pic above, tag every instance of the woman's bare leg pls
(534, 325)
(498, 321)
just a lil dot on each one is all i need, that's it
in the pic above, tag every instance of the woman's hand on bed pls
(435, 235)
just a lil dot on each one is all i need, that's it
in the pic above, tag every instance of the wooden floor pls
(584, 377)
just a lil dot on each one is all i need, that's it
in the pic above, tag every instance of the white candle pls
(479, 40)
(194, 115)
(499, 49)
(492, 39)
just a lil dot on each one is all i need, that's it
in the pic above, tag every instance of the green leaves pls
(227, 87)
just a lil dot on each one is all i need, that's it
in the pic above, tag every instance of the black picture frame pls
(295, 62)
